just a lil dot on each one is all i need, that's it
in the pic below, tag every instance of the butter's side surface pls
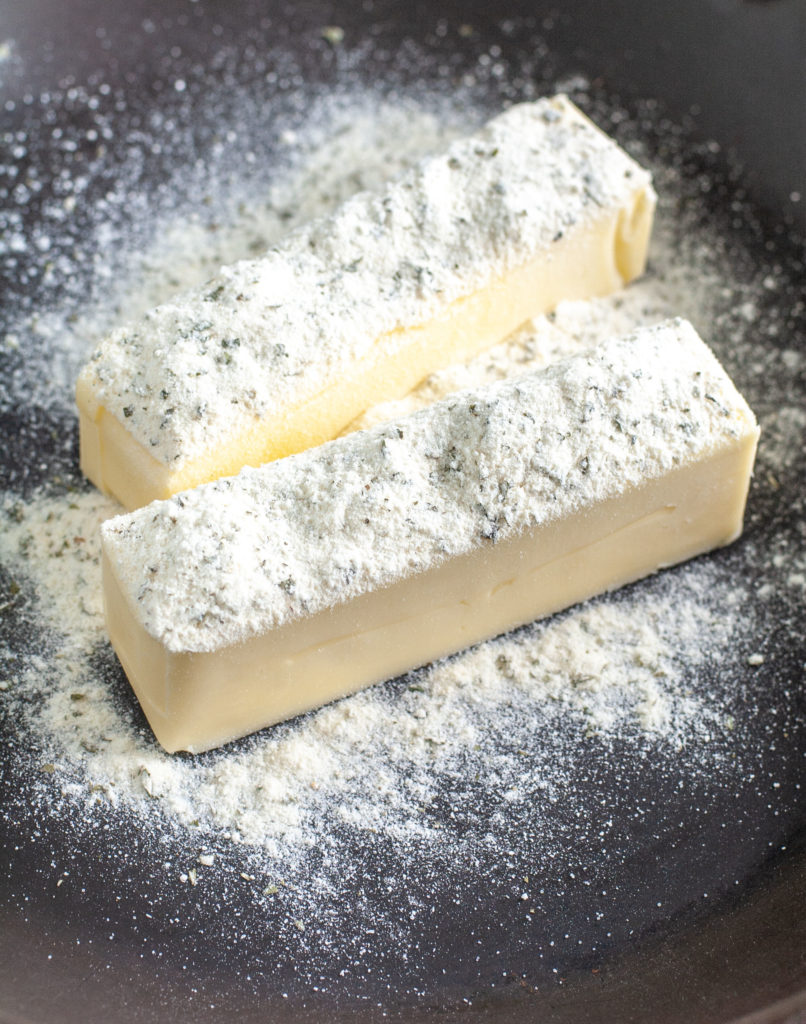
(280, 353)
(253, 598)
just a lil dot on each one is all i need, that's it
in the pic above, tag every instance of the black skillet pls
(737, 68)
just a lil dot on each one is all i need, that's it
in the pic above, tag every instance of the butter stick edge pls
(198, 701)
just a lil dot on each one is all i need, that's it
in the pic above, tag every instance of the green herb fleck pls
(334, 34)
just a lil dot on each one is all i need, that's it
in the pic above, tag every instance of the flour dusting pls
(267, 335)
(230, 560)
(464, 764)
(611, 665)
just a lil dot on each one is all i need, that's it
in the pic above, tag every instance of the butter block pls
(280, 353)
(253, 598)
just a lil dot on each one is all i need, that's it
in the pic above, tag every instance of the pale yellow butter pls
(281, 353)
(251, 599)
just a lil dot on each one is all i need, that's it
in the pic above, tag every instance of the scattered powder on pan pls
(610, 664)
(620, 666)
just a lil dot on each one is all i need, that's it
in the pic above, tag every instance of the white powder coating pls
(269, 333)
(243, 555)
(572, 327)
(658, 668)
(607, 666)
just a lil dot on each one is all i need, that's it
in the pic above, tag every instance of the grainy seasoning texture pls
(267, 334)
(612, 665)
(531, 798)
(235, 558)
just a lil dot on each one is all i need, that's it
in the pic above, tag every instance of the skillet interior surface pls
(695, 905)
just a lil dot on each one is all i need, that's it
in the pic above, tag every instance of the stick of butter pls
(253, 598)
(280, 353)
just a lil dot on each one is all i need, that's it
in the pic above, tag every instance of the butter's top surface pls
(268, 333)
(234, 558)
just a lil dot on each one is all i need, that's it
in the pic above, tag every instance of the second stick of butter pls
(251, 599)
